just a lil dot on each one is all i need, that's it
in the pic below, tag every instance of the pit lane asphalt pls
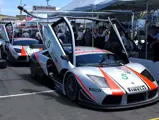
(52, 106)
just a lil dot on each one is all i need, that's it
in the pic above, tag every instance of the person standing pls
(155, 48)
(155, 14)
(79, 36)
(87, 38)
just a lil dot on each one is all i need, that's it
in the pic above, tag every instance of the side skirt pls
(58, 84)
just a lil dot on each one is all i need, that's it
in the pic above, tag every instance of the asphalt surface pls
(21, 105)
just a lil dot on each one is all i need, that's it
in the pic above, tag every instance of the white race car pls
(17, 49)
(95, 77)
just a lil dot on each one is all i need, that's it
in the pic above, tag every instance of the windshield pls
(25, 42)
(101, 59)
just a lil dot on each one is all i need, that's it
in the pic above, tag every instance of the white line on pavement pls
(26, 94)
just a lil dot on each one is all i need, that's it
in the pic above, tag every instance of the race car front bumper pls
(19, 59)
(116, 102)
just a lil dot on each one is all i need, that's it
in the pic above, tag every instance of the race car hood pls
(121, 77)
(126, 79)
(27, 50)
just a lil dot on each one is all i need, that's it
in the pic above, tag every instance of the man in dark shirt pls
(87, 38)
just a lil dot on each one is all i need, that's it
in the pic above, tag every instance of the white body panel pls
(153, 67)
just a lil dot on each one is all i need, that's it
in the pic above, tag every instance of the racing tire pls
(71, 87)
(10, 58)
(2, 54)
(3, 64)
(32, 70)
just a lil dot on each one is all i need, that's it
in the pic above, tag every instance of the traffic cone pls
(23, 52)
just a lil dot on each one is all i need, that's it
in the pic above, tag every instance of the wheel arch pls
(75, 72)
(81, 83)
(63, 73)
(64, 79)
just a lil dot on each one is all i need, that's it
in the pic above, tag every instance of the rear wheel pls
(33, 70)
(2, 53)
(3, 64)
(71, 87)
(10, 58)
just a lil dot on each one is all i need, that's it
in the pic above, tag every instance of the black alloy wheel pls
(71, 87)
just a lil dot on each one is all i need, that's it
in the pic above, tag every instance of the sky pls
(9, 7)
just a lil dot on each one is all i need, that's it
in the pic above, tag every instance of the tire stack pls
(3, 63)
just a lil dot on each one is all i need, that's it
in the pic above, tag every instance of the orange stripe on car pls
(37, 57)
(23, 52)
(84, 87)
(116, 90)
(151, 85)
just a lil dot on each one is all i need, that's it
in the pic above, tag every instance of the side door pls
(4, 39)
(10, 31)
(3, 34)
(117, 42)
(59, 41)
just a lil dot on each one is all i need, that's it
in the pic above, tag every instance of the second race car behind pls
(20, 49)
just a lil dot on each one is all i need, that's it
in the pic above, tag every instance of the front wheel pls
(71, 87)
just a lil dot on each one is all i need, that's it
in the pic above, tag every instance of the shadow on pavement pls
(19, 64)
(53, 96)
(46, 82)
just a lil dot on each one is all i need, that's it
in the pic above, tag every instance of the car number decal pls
(48, 44)
(124, 76)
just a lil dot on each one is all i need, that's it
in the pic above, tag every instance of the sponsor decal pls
(124, 76)
(137, 89)
(94, 90)
(44, 8)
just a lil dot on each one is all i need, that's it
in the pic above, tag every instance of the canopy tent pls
(95, 5)
(89, 5)
(135, 5)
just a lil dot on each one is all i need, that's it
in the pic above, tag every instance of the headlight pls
(17, 50)
(100, 81)
(148, 75)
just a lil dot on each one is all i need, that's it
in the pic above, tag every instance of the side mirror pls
(65, 57)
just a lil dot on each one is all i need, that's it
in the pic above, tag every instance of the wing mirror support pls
(65, 57)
